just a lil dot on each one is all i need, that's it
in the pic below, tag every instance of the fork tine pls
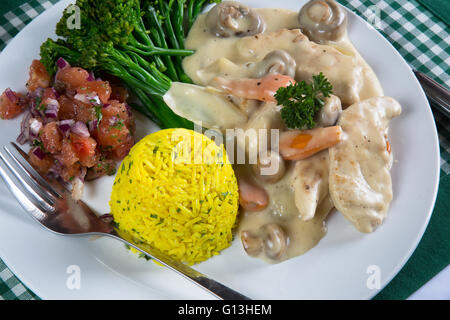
(34, 176)
(25, 202)
(30, 190)
(43, 183)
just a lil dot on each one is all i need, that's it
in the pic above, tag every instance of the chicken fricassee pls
(296, 73)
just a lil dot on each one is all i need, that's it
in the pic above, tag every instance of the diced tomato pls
(39, 77)
(51, 138)
(68, 155)
(49, 93)
(42, 165)
(67, 108)
(110, 131)
(115, 108)
(118, 93)
(85, 149)
(103, 167)
(72, 78)
(101, 88)
(124, 148)
(114, 137)
(80, 154)
(84, 112)
(10, 104)
(76, 110)
(120, 110)
(68, 173)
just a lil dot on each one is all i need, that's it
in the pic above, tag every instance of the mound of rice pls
(177, 191)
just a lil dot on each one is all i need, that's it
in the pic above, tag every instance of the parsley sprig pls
(302, 101)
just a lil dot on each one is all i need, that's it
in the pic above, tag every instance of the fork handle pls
(215, 288)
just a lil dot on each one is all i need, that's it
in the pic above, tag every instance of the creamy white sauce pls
(282, 210)
(235, 57)
(299, 211)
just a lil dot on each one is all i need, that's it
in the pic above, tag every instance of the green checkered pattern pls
(11, 288)
(423, 40)
(14, 21)
(419, 36)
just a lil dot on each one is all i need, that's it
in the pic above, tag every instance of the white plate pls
(340, 267)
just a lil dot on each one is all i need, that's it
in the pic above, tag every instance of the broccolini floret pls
(139, 42)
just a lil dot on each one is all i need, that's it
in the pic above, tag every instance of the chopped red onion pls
(51, 108)
(50, 113)
(35, 107)
(52, 103)
(65, 126)
(128, 109)
(39, 153)
(56, 93)
(91, 76)
(11, 95)
(80, 129)
(35, 126)
(29, 128)
(61, 63)
(89, 98)
(92, 125)
(113, 120)
(38, 93)
(55, 170)
(25, 125)
(106, 105)
(22, 139)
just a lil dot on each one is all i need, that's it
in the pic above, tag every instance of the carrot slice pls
(298, 145)
(251, 197)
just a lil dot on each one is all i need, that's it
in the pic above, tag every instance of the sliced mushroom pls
(277, 61)
(330, 112)
(274, 240)
(231, 18)
(270, 166)
(253, 245)
(323, 20)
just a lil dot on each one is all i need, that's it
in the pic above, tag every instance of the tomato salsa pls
(78, 126)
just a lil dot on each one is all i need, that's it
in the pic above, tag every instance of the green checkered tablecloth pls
(420, 37)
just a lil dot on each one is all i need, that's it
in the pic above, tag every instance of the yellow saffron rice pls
(177, 191)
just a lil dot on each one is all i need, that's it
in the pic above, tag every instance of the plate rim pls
(419, 236)
(436, 177)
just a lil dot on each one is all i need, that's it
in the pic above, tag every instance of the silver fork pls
(51, 204)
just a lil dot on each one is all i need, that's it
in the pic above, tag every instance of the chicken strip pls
(360, 180)
(310, 183)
